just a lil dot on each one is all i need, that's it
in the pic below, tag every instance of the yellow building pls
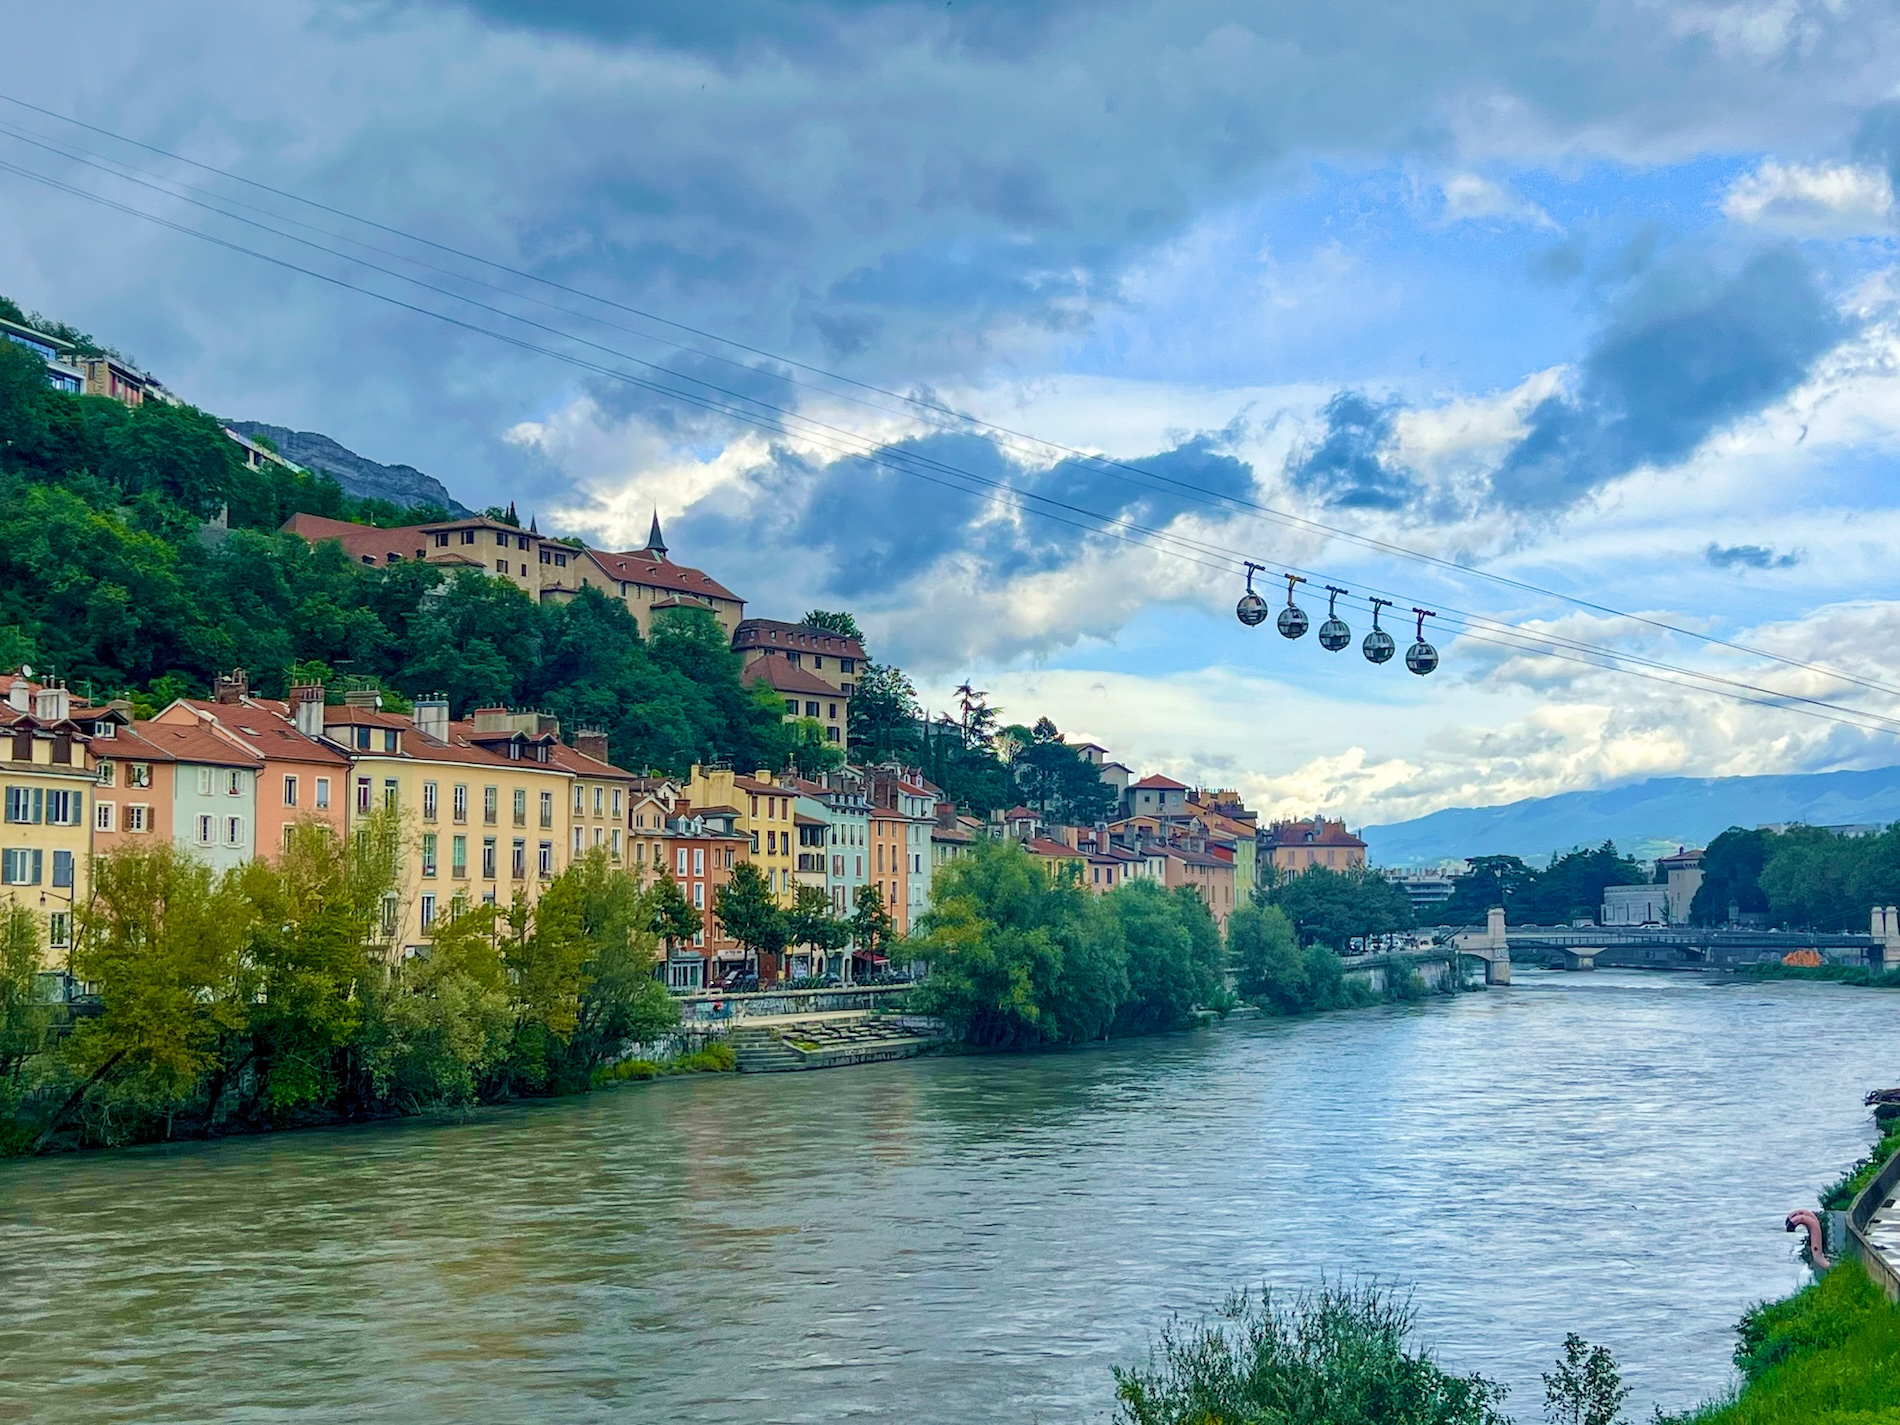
(600, 799)
(45, 840)
(765, 818)
(484, 805)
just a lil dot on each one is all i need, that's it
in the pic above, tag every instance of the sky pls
(1016, 328)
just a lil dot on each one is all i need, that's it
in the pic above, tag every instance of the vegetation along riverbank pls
(261, 998)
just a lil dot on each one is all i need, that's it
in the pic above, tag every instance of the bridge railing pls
(1860, 1217)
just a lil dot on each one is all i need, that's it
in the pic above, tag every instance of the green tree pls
(26, 1020)
(1572, 886)
(750, 913)
(884, 713)
(1269, 966)
(813, 925)
(1731, 875)
(838, 622)
(1586, 1388)
(162, 940)
(872, 929)
(1334, 907)
(671, 916)
(440, 1022)
(1173, 955)
(1491, 881)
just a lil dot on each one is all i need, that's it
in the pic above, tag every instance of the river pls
(964, 1239)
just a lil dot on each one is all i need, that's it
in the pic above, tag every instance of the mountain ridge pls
(401, 485)
(1642, 818)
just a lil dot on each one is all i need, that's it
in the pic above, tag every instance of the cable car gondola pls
(1333, 634)
(1292, 617)
(1252, 609)
(1421, 657)
(1378, 646)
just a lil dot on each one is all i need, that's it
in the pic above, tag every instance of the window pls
(105, 729)
(204, 781)
(428, 910)
(233, 783)
(577, 841)
(107, 772)
(600, 805)
(20, 867)
(458, 802)
(791, 707)
(59, 930)
(699, 895)
(488, 806)
(521, 542)
(361, 738)
(771, 843)
(103, 816)
(547, 859)
(501, 540)
(428, 801)
(817, 660)
(207, 830)
(234, 831)
(290, 791)
(390, 742)
(580, 804)
(699, 860)
(682, 862)
(458, 857)
(831, 734)
(468, 536)
(600, 834)
(65, 809)
(139, 774)
(521, 806)
(811, 708)
(845, 688)
(488, 858)
(428, 853)
(63, 869)
(323, 792)
(25, 805)
(833, 711)
(616, 804)
(616, 843)
(389, 793)
(501, 566)
(520, 863)
(440, 539)
(547, 809)
(138, 817)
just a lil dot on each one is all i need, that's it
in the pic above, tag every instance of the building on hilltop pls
(63, 371)
(1291, 847)
(806, 694)
(1155, 795)
(836, 659)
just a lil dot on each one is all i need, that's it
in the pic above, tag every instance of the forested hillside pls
(108, 579)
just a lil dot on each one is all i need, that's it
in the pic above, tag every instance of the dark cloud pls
(1348, 466)
(875, 527)
(1748, 556)
(1686, 355)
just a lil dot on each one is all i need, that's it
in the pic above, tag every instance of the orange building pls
(1291, 847)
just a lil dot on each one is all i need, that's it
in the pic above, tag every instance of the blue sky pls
(1600, 297)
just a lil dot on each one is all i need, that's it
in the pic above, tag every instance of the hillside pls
(1642, 819)
(403, 486)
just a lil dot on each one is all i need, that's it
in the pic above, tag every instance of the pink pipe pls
(1817, 1238)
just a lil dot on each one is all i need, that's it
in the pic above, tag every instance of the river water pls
(964, 1239)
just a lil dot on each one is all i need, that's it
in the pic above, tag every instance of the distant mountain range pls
(1643, 819)
(401, 485)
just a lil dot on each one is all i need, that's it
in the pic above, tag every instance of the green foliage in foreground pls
(1339, 1356)
(1864, 975)
(1848, 1186)
(260, 998)
(1273, 971)
(1829, 1355)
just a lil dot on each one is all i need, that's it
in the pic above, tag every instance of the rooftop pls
(1155, 782)
(783, 676)
(773, 633)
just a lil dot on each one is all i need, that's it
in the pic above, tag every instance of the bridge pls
(1583, 947)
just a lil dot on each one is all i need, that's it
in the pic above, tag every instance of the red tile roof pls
(1318, 832)
(1043, 846)
(1155, 782)
(782, 676)
(775, 634)
(639, 567)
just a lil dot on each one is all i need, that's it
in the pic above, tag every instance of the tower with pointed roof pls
(656, 542)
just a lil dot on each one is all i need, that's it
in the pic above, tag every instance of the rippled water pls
(973, 1239)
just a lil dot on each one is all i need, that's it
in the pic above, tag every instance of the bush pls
(1339, 1354)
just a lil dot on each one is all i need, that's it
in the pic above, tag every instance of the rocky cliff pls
(401, 485)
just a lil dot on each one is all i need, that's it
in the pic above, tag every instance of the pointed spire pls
(533, 528)
(656, 542)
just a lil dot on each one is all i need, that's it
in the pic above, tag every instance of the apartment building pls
(46, 780)
(1291, 847)
(602, 796)
(832, 659)
(701, 846)
(763, 812)
(806, 694)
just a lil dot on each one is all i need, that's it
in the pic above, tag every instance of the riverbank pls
(1862, 975)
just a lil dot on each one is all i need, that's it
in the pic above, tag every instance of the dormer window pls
(514, 752)
(105, 729)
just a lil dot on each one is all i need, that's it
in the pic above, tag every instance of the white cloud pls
(1819, 200)
(1472, 198)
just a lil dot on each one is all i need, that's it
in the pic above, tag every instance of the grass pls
(1829, 1355)
(715, 1058)
(1847, 1187)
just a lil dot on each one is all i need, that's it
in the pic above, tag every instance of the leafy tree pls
(750, 912)
(1572, 886)
(1173, 955)
(440, 1022)
(162, 940)
(1269, 968)
(671, 916)
(1333, 907)
(1056, 779)
(1586, 1388)
(871, 926)
(811, 751)
(812, 923)
(835, 622)
(1491, 881)
(884, 713)
(26, 1021)
(1731, 875)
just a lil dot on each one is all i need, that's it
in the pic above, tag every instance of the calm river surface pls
(966, 1239)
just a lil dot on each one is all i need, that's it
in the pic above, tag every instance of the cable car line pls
(913, 402)
(1516, 640)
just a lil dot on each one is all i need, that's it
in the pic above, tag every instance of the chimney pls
(432, 717)
(306, 708)
(233, 687)
(52, 704)
(591, 742)
(20, 695)
(369, 698)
